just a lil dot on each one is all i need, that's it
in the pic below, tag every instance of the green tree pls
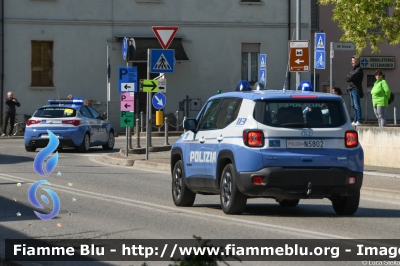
(367, 21)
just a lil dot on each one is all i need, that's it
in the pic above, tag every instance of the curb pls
(380, 193)
(117, 161)
(143, 150)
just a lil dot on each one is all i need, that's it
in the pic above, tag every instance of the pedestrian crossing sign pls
(162, 60)
(320, 41)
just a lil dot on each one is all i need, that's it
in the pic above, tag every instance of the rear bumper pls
(293, 183)
(41, 143)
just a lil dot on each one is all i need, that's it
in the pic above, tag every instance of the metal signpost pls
(158, 61)
(263, 69)
(340, 46)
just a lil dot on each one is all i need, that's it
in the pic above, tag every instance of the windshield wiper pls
(297, 124)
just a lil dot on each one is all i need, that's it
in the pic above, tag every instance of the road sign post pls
(299, 56)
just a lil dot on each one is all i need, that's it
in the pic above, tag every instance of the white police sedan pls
(75, 125)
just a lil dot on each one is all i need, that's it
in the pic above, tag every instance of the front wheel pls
(181, 194)
(232, 200)
(346, 205)
(110, 141)
(30, 148)
(17, 130)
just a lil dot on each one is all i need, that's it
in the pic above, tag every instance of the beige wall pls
(381, 146)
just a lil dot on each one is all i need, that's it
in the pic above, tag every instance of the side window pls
(85, 112)
(94, 112)
(209, 117)
(228, 112)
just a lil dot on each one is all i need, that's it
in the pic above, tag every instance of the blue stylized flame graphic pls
(44, 153)
(32, 198)
(49, 167)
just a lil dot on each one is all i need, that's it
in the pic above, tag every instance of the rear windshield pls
(300, 113)
(55, 112)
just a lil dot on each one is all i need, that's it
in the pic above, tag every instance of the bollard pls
(166, 131)
(395, 122)
(184, 118)
(141, 121)
(177, 120)
(130, 137)
(137, 133)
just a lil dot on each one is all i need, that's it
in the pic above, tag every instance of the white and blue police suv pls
(285, 145)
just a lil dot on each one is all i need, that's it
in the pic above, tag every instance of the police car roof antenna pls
(58, 95)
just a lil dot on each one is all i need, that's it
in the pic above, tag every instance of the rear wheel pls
(110, 141)
(181, 194)
(30, 148)
(232, 200)
(346, 205)
(85, 146)
(17, 130)
(289, 203)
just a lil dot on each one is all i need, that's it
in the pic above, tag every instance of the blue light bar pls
(75, 101)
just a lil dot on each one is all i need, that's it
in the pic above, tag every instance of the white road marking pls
(302, 233)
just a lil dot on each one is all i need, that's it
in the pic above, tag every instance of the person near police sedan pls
(9, 113)
(380, 96)
(354, 79)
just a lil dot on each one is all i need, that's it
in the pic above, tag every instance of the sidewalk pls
(380, 182)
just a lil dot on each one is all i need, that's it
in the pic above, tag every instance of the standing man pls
(355, 78)
(9, 113)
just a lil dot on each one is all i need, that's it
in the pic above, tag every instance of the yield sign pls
(165, 35)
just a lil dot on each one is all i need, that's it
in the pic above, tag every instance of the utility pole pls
(298, 36)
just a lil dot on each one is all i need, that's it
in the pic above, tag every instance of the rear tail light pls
(351, 139)
(351, 180)
(72, 122)
(253, 138)
(257, 180)
(32, 121)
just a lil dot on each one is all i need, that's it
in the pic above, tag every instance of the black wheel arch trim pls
(225, 157)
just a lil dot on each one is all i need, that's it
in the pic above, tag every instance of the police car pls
(286, 145)
(75, 125)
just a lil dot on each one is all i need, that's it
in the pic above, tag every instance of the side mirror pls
(190, 124)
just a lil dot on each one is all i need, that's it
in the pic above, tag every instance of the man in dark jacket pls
(9, 113)
(355, 78)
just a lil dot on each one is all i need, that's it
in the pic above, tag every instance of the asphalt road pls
(100, 201)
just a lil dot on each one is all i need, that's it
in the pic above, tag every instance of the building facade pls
(54, 48)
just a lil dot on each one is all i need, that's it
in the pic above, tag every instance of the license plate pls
(306, 144)
(46, 136)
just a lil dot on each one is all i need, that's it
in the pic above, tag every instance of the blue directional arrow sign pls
(159, 100)
(320, 41)
(320, 59)
(162, 61)
(124, 48)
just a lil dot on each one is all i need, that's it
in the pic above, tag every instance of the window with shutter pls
(42, 63)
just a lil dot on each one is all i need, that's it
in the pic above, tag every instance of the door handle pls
(220, 138)
(202, 140)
